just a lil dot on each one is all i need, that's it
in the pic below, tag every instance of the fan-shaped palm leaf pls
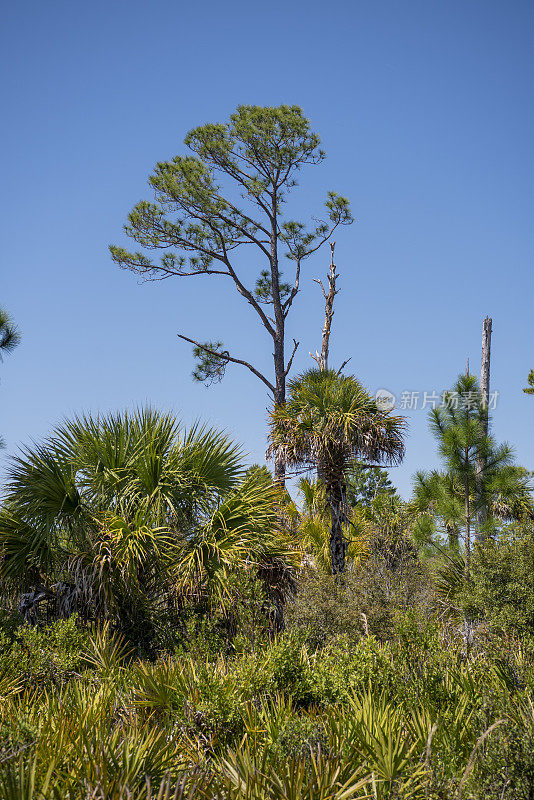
(328, 422)
(106, 501)
(242, 533)
(27, 552)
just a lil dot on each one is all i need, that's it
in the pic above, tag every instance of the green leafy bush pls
(501, 589)
(41, 656)
(367, 601)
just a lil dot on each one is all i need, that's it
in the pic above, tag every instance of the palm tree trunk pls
(335, 495)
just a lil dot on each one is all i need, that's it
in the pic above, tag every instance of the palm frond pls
(332, 418)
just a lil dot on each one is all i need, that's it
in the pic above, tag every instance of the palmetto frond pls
(42, 485)
(313, 496)
(145, 456)
(121, 558)
(26, 550)
(244, 532)
(117, 501)
(331, 418)
(510, 489)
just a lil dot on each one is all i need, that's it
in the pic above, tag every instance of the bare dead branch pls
(322, 360)
(316, 357)
(290, 362)
(322, 287)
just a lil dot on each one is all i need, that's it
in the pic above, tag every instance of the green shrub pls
(325, 608)
(367, 601)
(344, 666)
(291, 668)
(44, 655)
(501, 589)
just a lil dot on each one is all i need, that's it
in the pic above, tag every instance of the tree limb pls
(290, 362)
(344, 364)
(226, 356)
(294, 291)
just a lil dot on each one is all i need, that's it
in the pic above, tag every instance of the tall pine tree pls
(221, 211)
(451, 497)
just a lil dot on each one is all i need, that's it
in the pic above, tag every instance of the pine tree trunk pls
(467, 517)
(482, 511)
(279, 399)
(279, 340)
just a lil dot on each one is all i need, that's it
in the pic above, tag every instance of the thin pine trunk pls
(279, 340)
(482, 511)
(467, 516)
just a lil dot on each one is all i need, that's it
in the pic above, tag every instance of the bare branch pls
(244, 292)
(316, 357)
(316, 280)
(290, 362)
(344, 364)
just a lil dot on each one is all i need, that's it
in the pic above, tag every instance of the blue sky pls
(425, 110)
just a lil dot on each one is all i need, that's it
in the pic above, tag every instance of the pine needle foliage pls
(530, 380)
(478, 472)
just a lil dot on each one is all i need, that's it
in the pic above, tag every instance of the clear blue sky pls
(426, 111)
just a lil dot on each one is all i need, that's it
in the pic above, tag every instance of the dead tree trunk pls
(482, 510)
(322, 358)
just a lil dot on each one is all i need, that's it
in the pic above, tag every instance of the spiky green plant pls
(125, 507)
(329, 422)
(9, 334)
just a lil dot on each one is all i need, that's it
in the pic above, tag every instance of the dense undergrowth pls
(185, 630)
(411, 717)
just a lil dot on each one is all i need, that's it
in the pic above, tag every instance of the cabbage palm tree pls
(328, 423)
(313, 526)
(123, 508)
